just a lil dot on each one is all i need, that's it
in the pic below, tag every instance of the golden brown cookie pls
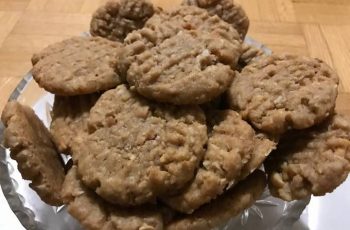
(185, 69)
(194, 18)
(182, 57)
(313, 161)
(228, 10)
(117, 18)
(69, 119)
(280, 92)
(228, 205)
(93, 213)
(31, 146)
(79, 65)
(138, 149)
(164, 25)
(232, 144)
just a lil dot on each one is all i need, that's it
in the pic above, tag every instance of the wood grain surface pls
(319, 28)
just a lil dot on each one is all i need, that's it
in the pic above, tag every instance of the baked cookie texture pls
(226, 206)
(228, 10)
(164, 25)
(182, 57)
(231, 145)
(249, 54)
(93, 213)
(79, 65)
(116, 19)
(31, 146)
(313, 161)
(280, 92)
(194, 18)
(263, 146)
(184, 69)
(69, 119)
(168, 117)
(138, 149)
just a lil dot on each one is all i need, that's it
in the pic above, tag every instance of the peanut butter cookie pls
(69, 119)
(228, 10)
(280, 92)
(164, 25)
(79, 65)
(93, 213)
(313, 161)
(232, 145)
(137, 149)
(116, 19)
(185, 69)
(226, 206)
(31, 146)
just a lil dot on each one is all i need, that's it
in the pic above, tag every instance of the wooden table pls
(320, 28)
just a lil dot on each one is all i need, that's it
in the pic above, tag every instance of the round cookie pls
(313, 161)
(116, 19)
(185, 69)
(138, 149)
(93, 213)
(31, 146)
(279, 92)
(231, 145)
(228, 205)
(69, 119)
(164, 25)
(227, 10)
(79, 65)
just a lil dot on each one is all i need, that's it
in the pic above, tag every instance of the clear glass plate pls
(267, 212)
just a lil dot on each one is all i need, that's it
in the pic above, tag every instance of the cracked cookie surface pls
(94, 213)
(233, 152)
(164, 25)
(69, 119)
(79, 65)
(313, 161)
(32, 147)
(227, 10)
(249, 54)
(226, 206)
(280, 92)
(137, 149)
(185, 69)
(116, 19)
(187, 19)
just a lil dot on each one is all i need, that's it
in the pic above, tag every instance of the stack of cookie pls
(168, 117)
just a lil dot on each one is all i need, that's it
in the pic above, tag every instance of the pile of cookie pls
(169, 116)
